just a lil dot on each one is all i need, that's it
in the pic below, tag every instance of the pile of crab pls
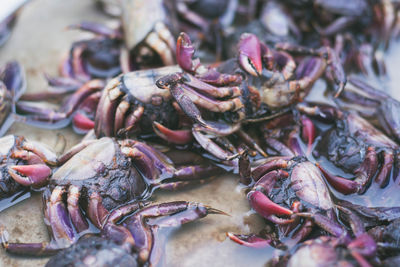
(321, 174)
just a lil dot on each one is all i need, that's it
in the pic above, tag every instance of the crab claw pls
(185, 52)
(82, 122)
(179, 137)
(27, 175)
(308, 132)
(252, 241)
(343, 185)
(250, 58)
(264, 206)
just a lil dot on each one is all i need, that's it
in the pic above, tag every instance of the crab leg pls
(287, 62)
(131, 119)
(334, 68)
(383, 176)
(161, 42)
(184, 54)
(75, 213)
(75, 62)
(97, 213)
(210, 146)
(180, 212)
(74, 150)
(170, 82)
(271, 164)
(209, 103)
(105, 113)
(60, 226)
(174, 136)
(327, 224)
(202, 87)
(97, 28)
(28, 156)
(121, 111)
(251, 241)
(51, 116)
(367, 169)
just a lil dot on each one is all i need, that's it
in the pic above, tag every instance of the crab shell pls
(102, 168)
(307, 182)
(137, 90)
(140, 17)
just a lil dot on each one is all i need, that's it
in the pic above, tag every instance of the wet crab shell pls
(102, 168)
(138, 90)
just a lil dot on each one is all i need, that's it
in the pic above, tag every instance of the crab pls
(243, 90)
(373, 104)
(23, 164)
(270, 86)
(137, 42)
(292, 193)
(130, 229)
(355, 146)
(97, 176)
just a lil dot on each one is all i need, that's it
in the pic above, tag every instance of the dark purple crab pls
(375, 105)
(289, 193)
(96, 176)
(355, 146)
(267, 90)
(130, 232)
(23, 163)
(268, 84)
(139, 41)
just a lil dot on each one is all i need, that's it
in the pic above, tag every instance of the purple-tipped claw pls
(185, 52)
(250, 54)
(308, 132)
(264, 206)
(343, 185)
(27, 175)
(249, 240)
